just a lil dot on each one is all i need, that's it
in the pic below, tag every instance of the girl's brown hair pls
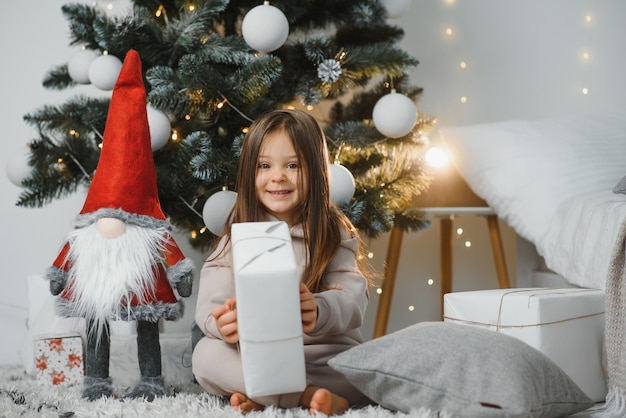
(322, 222)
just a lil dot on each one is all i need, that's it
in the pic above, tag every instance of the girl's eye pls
(293, 166)
(264, 165)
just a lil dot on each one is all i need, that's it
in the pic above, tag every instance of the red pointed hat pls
(126, 177)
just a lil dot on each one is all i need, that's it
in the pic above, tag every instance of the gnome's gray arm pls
(180, 276)
(57, 278)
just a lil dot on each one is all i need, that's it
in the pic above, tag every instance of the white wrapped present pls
(566, 324)
(267, 288)
(175, 358)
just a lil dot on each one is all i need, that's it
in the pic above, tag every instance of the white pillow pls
(524, 169)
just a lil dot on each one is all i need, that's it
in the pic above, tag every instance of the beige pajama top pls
(341, 309)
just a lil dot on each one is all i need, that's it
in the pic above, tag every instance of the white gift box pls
(267, 288)
(566, 324)
(59, 359)
(175, 358)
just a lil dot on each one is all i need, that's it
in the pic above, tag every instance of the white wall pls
(523, 61)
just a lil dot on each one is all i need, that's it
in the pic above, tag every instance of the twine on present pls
(499, 325)
(263, 237)
(270, 340)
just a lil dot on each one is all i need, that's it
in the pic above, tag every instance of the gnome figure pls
(120, 261)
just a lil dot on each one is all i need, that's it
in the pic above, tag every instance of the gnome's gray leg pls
(97, 382)
(151, 383)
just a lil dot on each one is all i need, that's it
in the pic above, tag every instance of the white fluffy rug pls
(21, 395)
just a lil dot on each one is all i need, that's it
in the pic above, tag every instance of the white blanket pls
(551, 180)
(581, 236)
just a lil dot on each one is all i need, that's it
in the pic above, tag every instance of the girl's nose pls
(278, 175)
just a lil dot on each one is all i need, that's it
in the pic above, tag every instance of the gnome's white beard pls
(107, 273)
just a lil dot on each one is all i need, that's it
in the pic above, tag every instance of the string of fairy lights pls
(436, 157)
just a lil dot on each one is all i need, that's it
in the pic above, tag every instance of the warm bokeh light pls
(437, 157)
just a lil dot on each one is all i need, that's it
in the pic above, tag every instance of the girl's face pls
(278, 177)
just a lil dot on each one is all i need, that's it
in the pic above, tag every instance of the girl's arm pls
(216, 286)
(342, 306)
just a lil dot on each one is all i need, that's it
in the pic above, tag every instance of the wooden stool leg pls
(498, 251)
(445, 253)
(389, 281)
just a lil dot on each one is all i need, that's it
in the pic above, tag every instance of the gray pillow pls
(620, 187)
(460, 370)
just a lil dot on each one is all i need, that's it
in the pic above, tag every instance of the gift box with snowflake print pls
(59, 359)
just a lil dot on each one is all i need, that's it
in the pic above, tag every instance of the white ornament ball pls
(265, 28)
(104, 70)
(342, 184)
(396, 8)
(216, 209)
(160, 128)
(394, 115)
(17, 167)
(78, 66)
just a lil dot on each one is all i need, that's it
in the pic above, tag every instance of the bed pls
(560, 183)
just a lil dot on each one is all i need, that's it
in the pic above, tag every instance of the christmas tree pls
(211, 67)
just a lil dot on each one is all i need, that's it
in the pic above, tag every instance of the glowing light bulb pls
(449, 31)
(379, 291)
(459, 231)
(585, 91)
(370, 255)
(411, 308)
(437, 157)
(468, 244)
(430, 282)
(588, 18)
(463, 65)
(585, 56)
(463, 99)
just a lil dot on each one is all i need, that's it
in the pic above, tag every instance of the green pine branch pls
(200, 71)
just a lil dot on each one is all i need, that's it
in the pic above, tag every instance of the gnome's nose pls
(110, 227)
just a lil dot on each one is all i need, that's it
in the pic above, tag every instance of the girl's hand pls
(226, 319)
(308, 309)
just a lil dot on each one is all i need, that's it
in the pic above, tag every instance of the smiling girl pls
(284, 175)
